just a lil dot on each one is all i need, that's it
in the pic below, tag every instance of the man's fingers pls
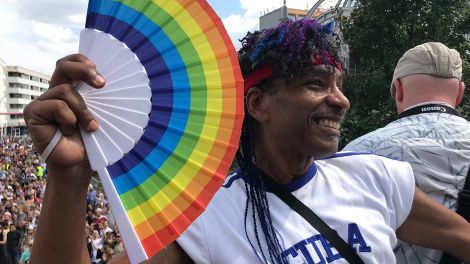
(75, 58)
(44, 117)
(75, 68)
(74, 102)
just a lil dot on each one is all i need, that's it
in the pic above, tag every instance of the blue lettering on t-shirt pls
(304, 247)
(355, 237)
(327, 247)
(311, 241)
(290, 251)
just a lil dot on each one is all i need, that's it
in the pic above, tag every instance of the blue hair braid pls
(256, 196)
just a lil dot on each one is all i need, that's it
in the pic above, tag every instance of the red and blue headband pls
(266, 71)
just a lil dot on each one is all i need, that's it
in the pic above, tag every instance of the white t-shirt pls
(364, 197)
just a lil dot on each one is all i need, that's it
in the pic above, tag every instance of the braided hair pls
(287, 48)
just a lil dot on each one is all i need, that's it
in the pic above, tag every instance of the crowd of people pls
(103, 238)
(22, 183)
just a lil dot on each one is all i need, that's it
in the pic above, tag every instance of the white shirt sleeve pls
(194, 242)
(401, 188)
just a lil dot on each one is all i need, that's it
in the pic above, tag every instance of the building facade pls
(18, 87)
(323, 10)
(273, 18)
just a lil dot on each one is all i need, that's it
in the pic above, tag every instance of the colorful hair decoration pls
(288, 48)
(264, 72)
(330, 60)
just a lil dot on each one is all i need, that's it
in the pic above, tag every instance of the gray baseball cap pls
(432, 58)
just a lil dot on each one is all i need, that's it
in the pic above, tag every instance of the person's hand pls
(61, 107)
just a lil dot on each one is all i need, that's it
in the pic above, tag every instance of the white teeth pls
(329, 123)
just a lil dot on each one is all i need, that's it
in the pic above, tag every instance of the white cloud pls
(36, 33)
(53, 39)
(53, 11)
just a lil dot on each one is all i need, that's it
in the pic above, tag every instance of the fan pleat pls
(130, 79)
(185, 199)
(138, 104)
(127, 127)
(113, 153)
(139, 119)
(157, 135)
(122, 68)
(86, 42)
(94, 152)
(125, 142)
(177, 160)
(138, 91)
(199, 137)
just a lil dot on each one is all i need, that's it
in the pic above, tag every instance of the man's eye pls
(316, 84)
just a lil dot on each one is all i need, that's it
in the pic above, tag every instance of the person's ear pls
(255, 101)
(458, 100)
(398, 90)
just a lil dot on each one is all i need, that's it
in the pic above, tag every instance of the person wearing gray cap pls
(429, 133)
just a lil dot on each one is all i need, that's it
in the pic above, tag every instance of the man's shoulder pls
(367, 141)
(359, 161)
(351, 156)
(432, 126)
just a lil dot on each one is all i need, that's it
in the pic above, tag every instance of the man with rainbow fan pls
(294, 107)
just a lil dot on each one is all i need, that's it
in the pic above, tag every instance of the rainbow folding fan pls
(170, 114)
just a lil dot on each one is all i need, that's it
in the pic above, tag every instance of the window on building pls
(19, 85)
(17, 106)
(19, 96)
(14, 74)
(16, 116)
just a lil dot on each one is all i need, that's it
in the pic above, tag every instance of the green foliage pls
(378, 33)
(370, 108)
(465, 105)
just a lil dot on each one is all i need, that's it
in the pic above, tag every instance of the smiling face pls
(304, 117)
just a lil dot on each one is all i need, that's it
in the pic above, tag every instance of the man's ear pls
(398, 91)
(458, 100)
(255, 101)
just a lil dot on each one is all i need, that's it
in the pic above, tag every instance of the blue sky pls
(35, 33)
(225, 8)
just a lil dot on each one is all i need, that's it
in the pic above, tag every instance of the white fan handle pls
(50, 147)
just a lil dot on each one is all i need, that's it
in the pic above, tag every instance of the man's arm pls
(61, 231)
(173, 254)
(432, 225)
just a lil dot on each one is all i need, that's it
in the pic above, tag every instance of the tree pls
(378, 33)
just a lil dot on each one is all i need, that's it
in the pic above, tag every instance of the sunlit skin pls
(297, 122)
